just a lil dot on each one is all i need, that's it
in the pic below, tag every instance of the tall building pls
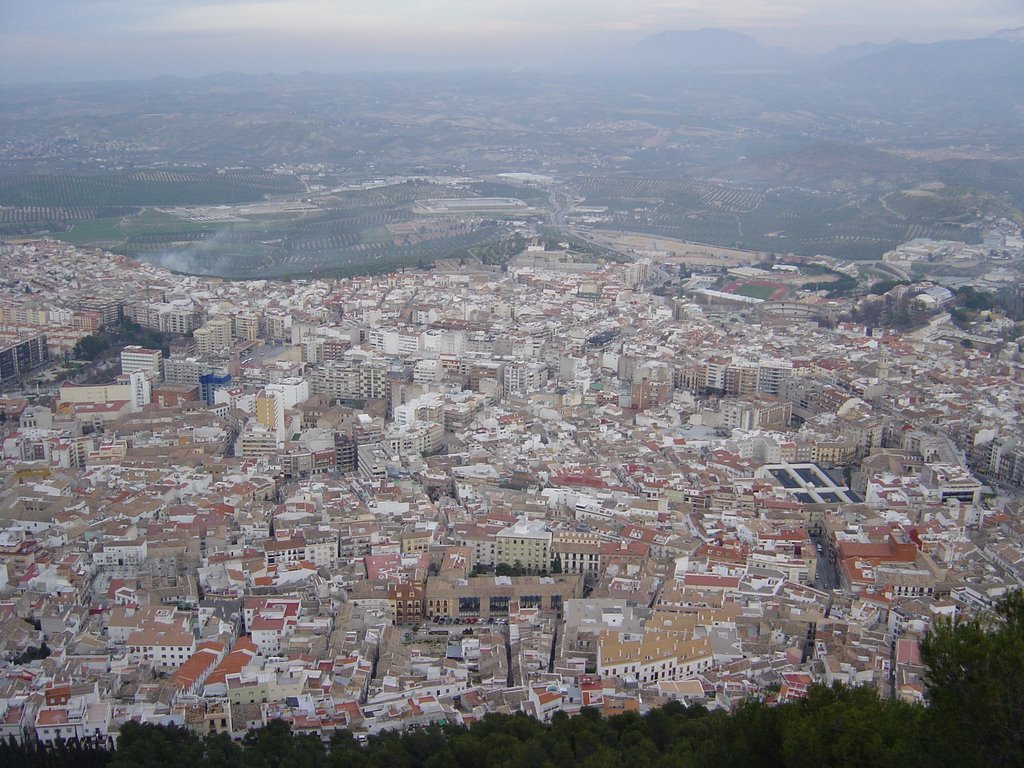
(352, 380)
(270, 413)
(246, 327)
(148, 361)
(17, 358)
(210, 383)
(190, 371)
(215, 338)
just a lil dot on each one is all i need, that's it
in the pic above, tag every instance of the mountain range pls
(719, 50)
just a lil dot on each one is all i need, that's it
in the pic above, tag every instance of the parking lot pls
(468, 621)
(440, 628)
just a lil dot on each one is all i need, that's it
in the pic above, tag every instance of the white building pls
(148, 361)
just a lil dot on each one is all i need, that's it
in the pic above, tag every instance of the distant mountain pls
(1012, 35)
(707, 50)
(844, 54)
(951, 68)
(950, 63)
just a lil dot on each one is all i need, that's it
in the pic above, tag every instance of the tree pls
(220, 751)
(32, 654)
(975, 687)
(143, 745)
(269, 747)
(90, 348)
(504, 569)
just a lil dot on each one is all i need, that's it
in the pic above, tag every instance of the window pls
(499, 606)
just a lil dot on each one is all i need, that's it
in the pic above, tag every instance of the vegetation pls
(32, 654)
(975, 684)
(784, 218)
(63, 754)
(504, 569)
(142, 188)
(838, 283)
(884, 286)
(123, 333)
(971, 304)
(497, 252)
(973, 300)
(974, 681)
(900, 312)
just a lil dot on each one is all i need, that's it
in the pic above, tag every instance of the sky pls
(69, 40)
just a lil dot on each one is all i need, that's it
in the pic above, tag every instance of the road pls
(826, 574)
(561, 204)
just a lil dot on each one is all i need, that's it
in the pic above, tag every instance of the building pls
(214, 338)
(135, 388)
(148, 361)
(19, 357)
(754, 412)
(270, 413)
(576, 552)
(165, 647)
(351, 380)
(951, 481)
(492, 597)
(527, 543)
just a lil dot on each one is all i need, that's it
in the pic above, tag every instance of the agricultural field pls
(65, 204)
(106, 232)
(143, 188)
(674, 251)
(708, 171)
(343, 233)
(29, 219)
(936, 202)
(779, 220)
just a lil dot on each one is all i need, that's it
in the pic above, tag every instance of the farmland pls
(776, 221)
(299, 174)
(344, 233)
(58, 202)
(672, 251)
(142, 188)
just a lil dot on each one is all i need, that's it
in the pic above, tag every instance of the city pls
(388, 501)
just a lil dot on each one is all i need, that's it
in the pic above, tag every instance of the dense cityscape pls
(511, 384)
(556, 483)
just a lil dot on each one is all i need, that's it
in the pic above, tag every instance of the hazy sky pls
(99, 39)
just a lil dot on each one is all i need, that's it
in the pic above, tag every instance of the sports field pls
(757, 289)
